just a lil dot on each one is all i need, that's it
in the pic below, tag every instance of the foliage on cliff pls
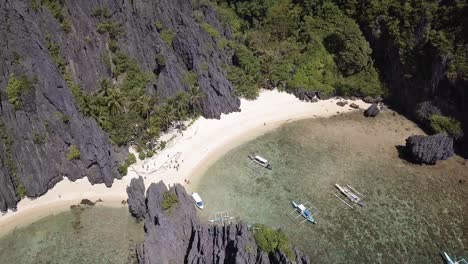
(286, 44)
(430, 41)
(447, 125)
(121, 105)
(169, 199)
(271, 240)
(419, 28)
(319, 46)
(15, 88)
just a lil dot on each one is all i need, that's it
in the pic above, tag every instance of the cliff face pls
(37, 136)
(176, 235)
(428, 81)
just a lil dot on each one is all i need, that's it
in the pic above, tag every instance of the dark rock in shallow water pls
(429, 149)
(177, 236)
(136, 198)
(354, 105)
(341, 103)
(372, 111)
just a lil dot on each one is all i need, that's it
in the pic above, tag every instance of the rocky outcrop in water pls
(429, 149)
(136, 198)
(176, 235)
(37, 43)
(372, 111)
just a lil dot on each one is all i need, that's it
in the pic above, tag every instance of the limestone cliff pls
(42, 124)
(424, 81)
(175, 235)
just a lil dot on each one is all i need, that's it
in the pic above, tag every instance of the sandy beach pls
(186, 156)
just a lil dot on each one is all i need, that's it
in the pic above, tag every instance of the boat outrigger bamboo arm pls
(356, 191)
(350, 206)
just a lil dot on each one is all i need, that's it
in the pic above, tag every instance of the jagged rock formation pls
(429, 149)
(136, 197)
(176, 236)
(428, 81)
(37, 137)
(306, 95)
(372, 111)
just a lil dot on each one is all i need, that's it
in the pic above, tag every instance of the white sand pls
(199, 146)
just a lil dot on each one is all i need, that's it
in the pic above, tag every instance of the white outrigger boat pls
(198, 200)
(260, 161)
(449, 260)
(354, 196)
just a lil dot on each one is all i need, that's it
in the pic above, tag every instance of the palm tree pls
(86, 106)
(114, 102)
(196, 95)
(180, 104)
(105, 87)
(168, 116)
(144, 105)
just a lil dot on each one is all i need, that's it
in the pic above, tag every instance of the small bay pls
(413, 212)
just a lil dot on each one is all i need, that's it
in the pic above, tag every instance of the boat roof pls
(261, 159)
(302, 207)
(196, 197)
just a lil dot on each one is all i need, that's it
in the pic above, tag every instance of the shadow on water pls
(403, 153)
(413, 212)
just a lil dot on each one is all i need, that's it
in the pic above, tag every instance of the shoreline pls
(186, 157)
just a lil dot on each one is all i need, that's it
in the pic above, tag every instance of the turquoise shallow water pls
(413, 212)
(82, 235)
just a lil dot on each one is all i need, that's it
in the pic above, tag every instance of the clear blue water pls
(413, 212)
(82, 235)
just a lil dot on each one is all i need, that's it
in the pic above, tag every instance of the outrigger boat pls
(304, 212)
(221, 218)
(260, 161)
(350, 193)
(449, 260)
(198, 200)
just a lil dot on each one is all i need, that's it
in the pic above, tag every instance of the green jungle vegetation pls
(447, 125)
(293, 46)
(320, 46)
(270, 240)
